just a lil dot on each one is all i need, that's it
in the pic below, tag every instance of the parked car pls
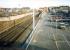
(60, 20)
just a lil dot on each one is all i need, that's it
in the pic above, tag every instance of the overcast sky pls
(32, 3)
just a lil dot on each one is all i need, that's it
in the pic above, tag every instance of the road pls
(46, 37)
(14, 17)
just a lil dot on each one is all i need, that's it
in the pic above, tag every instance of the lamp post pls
(33, 18)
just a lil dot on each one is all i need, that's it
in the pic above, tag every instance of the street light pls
(33, 18)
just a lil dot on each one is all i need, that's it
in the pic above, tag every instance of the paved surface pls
(14, 17)
(49, 38)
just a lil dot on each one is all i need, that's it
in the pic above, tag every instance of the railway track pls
(18, 34)
(10, 36)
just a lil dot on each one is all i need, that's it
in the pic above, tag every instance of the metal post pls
(14, 23)
(56, 23)
(33, 19)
